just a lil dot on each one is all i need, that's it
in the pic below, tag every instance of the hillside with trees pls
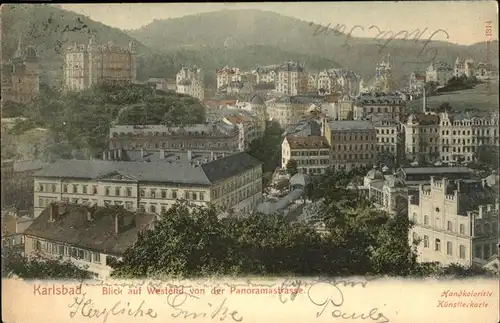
(238, 29)
(80, 121)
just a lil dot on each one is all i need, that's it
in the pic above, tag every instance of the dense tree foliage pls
(268, 148)
(487, 156)
(15, 264)
(81, 120)
(291, 167)
(459, 83)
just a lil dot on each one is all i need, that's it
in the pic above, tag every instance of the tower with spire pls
(21, 75)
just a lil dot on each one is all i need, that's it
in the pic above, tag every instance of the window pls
(152, 193)
(478, 252)
(97, 257)
(462, 252)
(426, 219)
(84, 189)
(106, 190)
(117, 191)
(163, 209)
(449, 248)
(94, 189)
(80, 254)
(152, 209)
(65, 188)
(53, 188)
(61, 250)
(438, 245)
(462, 229)
(415, 237)
(194, 196)
(75, 188)
(40, 187)
(426, 241)
(449, 226)
(174, 194)
(74, 201)
(37, 245)
(163, 194)
(129, 191)
(202, 196)
(143, 193)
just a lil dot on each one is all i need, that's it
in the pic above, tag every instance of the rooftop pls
(28, 165)
(153, 172)
(435, 170)
(74, 228)
(307, 142)
(350, 125)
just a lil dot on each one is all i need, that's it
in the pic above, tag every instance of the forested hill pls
(237, 29)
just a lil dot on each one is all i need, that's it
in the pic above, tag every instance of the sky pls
(464, 21)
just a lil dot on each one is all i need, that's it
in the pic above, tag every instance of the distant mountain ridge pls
(241, 28)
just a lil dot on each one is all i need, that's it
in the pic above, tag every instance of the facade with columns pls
(455, 222)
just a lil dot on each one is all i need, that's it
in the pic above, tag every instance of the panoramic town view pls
(246, 141)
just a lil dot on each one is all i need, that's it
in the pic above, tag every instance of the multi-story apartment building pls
(190, 81)
(230, 183)
(464, 67)
(227, 75)
(353, 143)
(448, 137)
(292, 79)
(440, 73)
(85, 66)
(21, 76)
(462, 134)
(89, 237)
(422, 137)
(266, 74)
(388, 191)
(312, 153)
(390, 136)
(392, 106)
(455, 222)
(217, 137)
(338, 80)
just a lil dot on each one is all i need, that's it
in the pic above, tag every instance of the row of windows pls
(383, 139)
(353, 137)
(383, 109)
(353, 147)
(480, 227)
(167, 145)
(310, 153)
(437, 246)
(352, 156)
(313, 162)
(61, 250)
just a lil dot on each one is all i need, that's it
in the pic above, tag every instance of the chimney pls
(54, 212)
(162, 154)
(189, 155)
(142, 153)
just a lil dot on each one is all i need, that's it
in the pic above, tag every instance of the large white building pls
(455, 222)
(233, 182)
(227, 75)
(312, 153)
(465, 67)
(190, 81)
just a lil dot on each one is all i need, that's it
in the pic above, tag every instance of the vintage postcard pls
(250, 162)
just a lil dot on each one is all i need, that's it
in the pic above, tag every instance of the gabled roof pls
(73, 228)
